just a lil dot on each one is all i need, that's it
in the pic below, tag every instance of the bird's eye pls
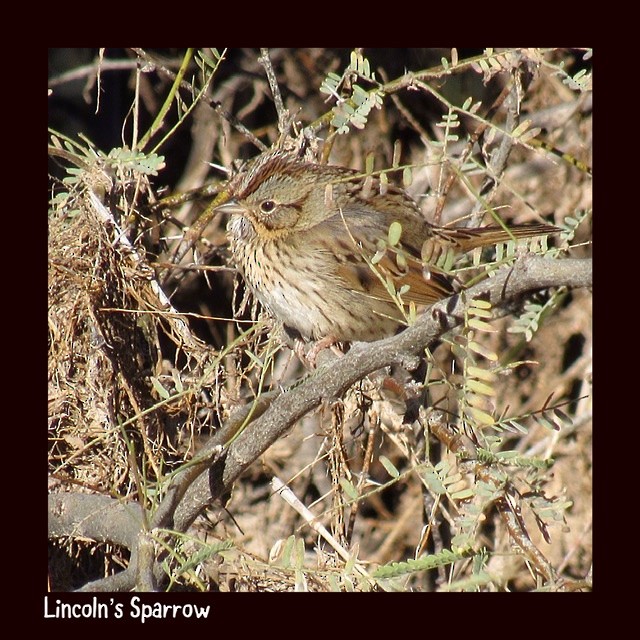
(267, 206)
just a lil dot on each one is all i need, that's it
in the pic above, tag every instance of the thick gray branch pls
(333, 380)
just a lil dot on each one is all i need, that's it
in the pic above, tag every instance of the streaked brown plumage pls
(303, 236)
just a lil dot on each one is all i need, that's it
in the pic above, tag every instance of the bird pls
(339, 256)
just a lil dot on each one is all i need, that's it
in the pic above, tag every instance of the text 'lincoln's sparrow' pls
(312, 243)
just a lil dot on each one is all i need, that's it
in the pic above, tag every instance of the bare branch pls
(282, 111)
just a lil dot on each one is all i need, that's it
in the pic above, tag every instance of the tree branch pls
(100, 518)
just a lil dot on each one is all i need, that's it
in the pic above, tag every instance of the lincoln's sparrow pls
(313, 244)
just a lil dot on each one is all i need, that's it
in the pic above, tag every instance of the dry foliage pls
(156, 355)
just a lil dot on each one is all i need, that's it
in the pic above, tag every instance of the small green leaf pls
(521, 128)
(481, 416)
(255, 358)
(412, 314)
(366, 69)
(483, 351)
(389, 466)
(395, 232)
(177, 381)
(481, 374)
(443, 467)
(433, 482)
(481, 325)
(369, 163)
(299, 553)
(162, 392)
(359, 95)
(353, 63)
(476, 400)
(480, 387)
(532, 133)
(479, 313)
(540, 419)
(285, 556)
(210, 62)
(348, 488)
(463, 494)
(452, 478)
(516, 426)
(563, 417)
(397, 149)
(479, 303)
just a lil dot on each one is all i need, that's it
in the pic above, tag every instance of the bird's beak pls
(231, 207)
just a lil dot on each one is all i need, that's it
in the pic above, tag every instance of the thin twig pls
(281, 110)
(91, 70)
